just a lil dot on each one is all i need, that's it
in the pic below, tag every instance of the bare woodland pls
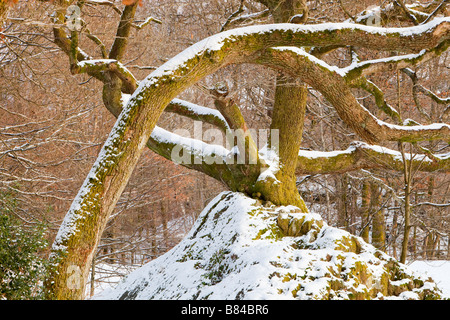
(362, 118)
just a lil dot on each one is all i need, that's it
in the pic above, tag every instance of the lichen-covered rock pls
(239, 249)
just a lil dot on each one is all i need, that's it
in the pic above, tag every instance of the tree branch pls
(233, 15)
(332, 85)
(146, 22)
(123, 31)
(361, 155)
(104, 3)
(245, 19)
(436, 11)
(93, 67)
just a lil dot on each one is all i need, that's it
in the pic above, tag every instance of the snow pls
(110, 275)
(234, 251)
(439, 270)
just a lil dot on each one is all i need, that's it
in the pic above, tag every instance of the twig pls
(436, 11)
(233, 15)
(146, 22)
(407, 12)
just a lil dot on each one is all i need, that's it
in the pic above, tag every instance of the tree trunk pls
(287, 119)
(365, 208)
(378, 223)
(407, 206)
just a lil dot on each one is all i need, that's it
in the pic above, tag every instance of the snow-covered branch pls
(94, 67)
(331, 83)
(360, 155)
(196, 112)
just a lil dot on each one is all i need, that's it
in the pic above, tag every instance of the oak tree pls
(297, 50)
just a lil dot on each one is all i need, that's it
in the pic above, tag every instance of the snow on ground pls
(439, 270)
(108, 276)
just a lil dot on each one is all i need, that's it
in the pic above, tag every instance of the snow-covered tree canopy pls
(296, 50)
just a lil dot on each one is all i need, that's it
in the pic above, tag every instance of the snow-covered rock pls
(236, 250)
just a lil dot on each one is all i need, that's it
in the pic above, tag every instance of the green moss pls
(348, 244)
(296, 290)
(217, 267)
(271, 232)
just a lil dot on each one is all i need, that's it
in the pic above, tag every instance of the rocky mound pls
(241, 249)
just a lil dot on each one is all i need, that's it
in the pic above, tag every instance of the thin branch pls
(104, 3)
(436, 11)
(198, 113)
(146, 22)
(407, 12)
(123, 31)
(97, 41)
(346, 11)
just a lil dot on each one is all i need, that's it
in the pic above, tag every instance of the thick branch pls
(364, 156)
(199, 113)
(332, 85)
(406, 11)
(419, 88)
(369, 67)
(123, 31)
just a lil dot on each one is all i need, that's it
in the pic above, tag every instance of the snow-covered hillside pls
(237, 251)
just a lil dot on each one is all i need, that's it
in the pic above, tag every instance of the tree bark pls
(365, 208)
(378, 223)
